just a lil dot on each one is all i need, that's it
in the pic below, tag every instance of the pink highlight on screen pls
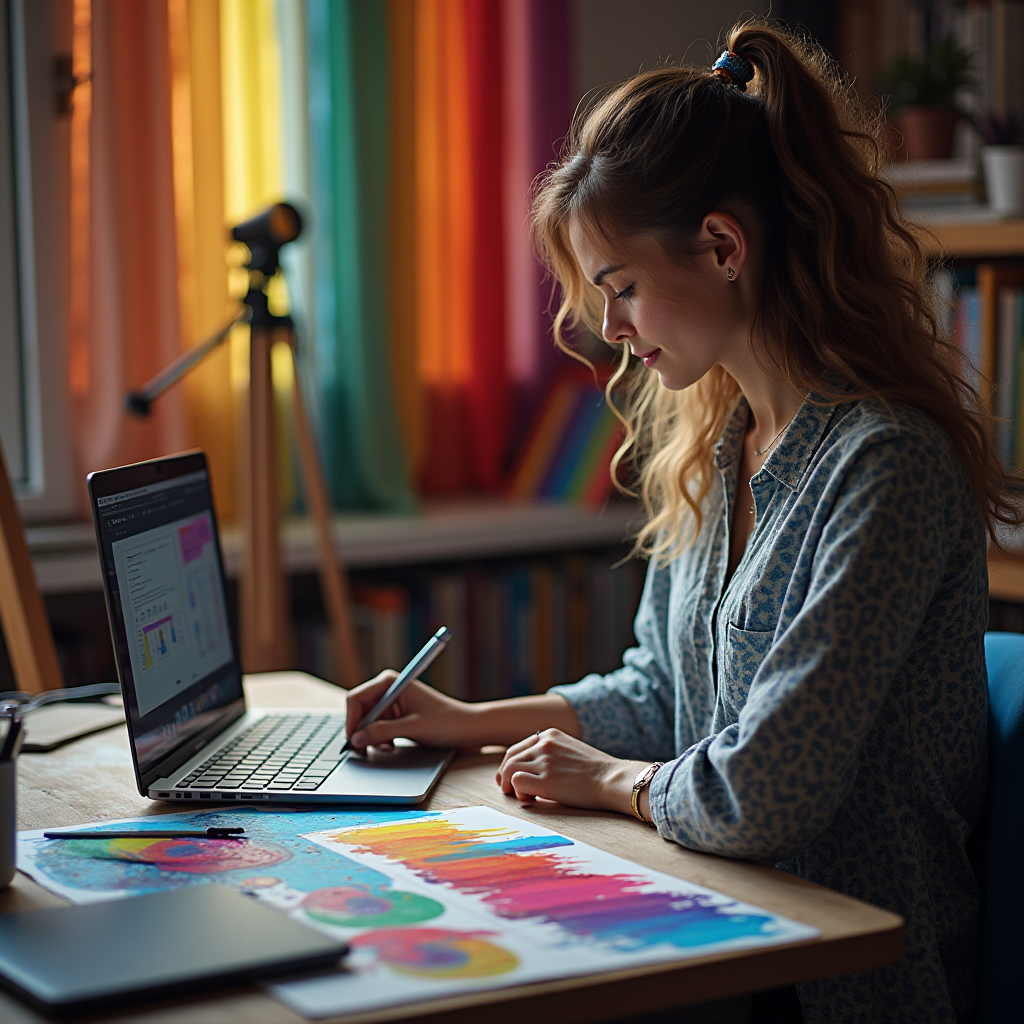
(193, 538)
(164, 623)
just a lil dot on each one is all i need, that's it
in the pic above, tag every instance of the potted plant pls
(923, 94)
(1002, 157)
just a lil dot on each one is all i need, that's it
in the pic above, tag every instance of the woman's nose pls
(616, 329)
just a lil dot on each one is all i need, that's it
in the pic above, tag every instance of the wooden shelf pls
(66, 561)
(1006, 577)
(977, 239)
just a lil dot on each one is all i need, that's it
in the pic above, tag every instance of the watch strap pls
(641, 782)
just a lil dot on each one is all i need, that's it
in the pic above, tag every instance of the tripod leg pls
(266, 636)
(333, 582)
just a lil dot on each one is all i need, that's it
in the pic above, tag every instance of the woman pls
(819, 480)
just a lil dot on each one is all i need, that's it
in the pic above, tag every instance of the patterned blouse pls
(826, 710)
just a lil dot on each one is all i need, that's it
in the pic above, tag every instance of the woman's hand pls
(421, 713)
(427, 716)
(557, 766)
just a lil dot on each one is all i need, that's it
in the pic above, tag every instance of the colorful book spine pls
(521, 632)
(600, 484)
(593, 459)
(587, 415)
(973, 338)
(568, 446)
(542, 441)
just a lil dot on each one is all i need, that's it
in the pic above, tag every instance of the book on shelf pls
(567, 453)
(518, 626)
(983, 310)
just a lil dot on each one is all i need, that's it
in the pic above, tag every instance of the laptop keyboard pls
(280, 752)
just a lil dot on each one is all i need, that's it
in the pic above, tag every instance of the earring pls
(731, 274)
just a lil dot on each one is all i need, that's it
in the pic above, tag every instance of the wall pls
(618, 38)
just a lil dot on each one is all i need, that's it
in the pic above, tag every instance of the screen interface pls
(169, 616)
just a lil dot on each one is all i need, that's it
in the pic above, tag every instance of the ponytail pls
(844, 309)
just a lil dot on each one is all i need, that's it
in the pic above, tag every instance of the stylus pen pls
(152, 833)
(431, 649)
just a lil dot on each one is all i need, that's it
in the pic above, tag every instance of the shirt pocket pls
(745, 649)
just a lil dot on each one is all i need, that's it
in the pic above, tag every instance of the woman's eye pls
(626, 293)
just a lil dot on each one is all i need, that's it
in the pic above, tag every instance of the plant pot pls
(927, 132)
(1004, 178)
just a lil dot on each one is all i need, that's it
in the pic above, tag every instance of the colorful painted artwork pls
(432, 904)
(273, 860)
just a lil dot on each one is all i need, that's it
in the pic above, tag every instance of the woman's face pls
(680, 320)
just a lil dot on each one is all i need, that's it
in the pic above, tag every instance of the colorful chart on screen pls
(173, 608)
(431, 903)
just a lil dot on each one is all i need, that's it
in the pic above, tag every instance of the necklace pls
(765, 451)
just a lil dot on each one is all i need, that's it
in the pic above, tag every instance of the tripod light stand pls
(264, 624)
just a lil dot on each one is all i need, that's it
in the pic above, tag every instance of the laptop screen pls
(164, 583)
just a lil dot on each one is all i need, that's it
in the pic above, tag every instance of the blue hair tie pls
(736, 70)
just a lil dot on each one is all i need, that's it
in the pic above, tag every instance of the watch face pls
(645, 776)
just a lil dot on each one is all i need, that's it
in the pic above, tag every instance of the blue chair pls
(997, 848)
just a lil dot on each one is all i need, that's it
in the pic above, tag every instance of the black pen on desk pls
(420, 663)
(152, 833)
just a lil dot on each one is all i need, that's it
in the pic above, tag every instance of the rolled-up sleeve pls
(629, 712)
(769, 783)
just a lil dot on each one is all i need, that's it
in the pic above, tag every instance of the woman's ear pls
(729, 242)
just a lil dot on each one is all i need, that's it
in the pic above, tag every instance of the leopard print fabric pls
(826, 710)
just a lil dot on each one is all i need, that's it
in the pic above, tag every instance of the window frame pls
(38, 31)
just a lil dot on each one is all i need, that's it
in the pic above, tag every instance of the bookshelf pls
(66, 561)
(977, 240)
(1006, 577)
(981, 240)
(536, 592)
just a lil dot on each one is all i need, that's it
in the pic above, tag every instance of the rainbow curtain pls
(409, 132)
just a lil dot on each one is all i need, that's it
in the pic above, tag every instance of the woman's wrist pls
(619, 789)
(505, 722)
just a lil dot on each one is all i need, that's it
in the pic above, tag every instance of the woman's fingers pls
(384, 730)
(529, 759)
(557, 766)
(525, 743)
(360, 700)
(526, 786)
(528, 743)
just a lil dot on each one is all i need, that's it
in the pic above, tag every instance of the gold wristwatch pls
(641, 782)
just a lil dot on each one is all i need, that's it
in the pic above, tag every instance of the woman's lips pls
(650, 358)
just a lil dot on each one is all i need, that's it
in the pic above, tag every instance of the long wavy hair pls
(845, 309)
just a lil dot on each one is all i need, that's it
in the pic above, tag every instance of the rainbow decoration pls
(528, 878)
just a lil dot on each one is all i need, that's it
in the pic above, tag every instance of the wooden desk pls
(92, 780)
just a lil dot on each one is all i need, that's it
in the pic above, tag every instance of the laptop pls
(192, 737)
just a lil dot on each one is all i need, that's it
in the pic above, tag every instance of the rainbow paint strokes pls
(521, 904)
(528, 878)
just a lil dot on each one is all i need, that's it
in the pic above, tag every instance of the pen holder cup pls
(8, 821)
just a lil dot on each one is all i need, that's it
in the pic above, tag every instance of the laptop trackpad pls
(402, 775)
